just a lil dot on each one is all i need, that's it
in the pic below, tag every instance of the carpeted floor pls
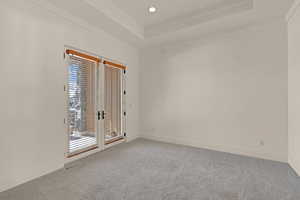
(148, 170)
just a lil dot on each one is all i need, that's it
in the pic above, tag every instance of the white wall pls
(226, 92)
(294, 83)
(32, 75)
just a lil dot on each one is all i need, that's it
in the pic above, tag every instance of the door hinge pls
(64, 55)
(64, 87)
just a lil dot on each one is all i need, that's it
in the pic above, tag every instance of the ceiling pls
(174, 20)
(167, 9)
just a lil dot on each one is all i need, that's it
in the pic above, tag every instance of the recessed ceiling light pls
(152, 9)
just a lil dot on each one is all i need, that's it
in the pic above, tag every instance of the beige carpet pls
(148, 170)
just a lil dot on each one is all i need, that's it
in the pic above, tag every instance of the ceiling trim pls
(114, 13)
(207, 31)
(112, 28)
(61, 13)
(131, 37)
(199, 17)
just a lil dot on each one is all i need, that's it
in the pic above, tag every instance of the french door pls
(95, 103)
(112, 104)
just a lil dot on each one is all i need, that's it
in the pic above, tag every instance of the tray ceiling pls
(130, 20)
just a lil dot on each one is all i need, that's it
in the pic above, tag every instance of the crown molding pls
(119, 32)
(200, 17)
(293, 10)
(119, 16)
(207, 31)
(44, 4)
(202, 22)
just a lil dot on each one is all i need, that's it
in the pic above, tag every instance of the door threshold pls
(82, 151)
(80, 155)
(114, 140)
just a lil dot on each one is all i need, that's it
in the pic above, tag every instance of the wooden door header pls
(95, 59)
(82, 55)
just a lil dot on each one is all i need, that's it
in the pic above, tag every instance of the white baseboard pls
(67, 162)
(194, 143)
(11, 186)
(294, 165)
(186, 142)
(129, 139)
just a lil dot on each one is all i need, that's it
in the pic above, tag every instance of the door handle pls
(99, 115)
(103, 114)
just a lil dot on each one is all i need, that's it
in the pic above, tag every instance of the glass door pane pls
(112, 104)
(82, 127)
